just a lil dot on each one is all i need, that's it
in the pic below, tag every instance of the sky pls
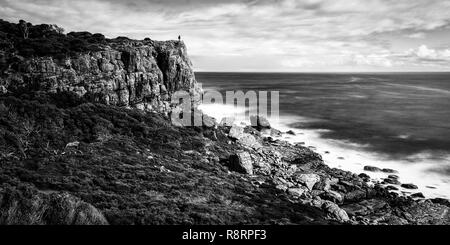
(265, 35)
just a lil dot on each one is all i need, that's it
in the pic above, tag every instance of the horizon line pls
(322, 72)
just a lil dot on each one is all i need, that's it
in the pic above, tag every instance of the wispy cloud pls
(287, 34)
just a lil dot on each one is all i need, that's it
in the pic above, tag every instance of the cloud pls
(428, 54)
(417, 35)
(293, 34)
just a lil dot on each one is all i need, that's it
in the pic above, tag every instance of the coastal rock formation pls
(120, 72)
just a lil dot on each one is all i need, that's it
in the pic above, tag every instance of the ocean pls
(399, 121)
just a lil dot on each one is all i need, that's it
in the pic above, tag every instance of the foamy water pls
(352, 157)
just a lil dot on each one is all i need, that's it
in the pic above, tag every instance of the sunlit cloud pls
(290, 35)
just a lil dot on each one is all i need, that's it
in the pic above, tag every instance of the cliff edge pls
(121, 72)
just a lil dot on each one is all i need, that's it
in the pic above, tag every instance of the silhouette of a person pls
(179, 38)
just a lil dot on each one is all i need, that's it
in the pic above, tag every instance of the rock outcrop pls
(130, 73)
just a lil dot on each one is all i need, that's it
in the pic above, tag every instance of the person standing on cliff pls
(179, 38)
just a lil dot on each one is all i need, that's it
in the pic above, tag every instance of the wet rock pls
(259, 122)
(409, 186)
(241, 162)
(389, 171)
(372, 169)
(365, 177)
(392, 176)
(417, 195)
(291, 132)
(391, 181)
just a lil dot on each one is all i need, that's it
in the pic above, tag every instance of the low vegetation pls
(132, 166)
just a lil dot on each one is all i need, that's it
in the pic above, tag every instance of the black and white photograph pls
(223, 113)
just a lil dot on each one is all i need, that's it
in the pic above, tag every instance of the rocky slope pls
(83, 141)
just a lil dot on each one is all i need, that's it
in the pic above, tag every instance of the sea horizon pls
(328, 72)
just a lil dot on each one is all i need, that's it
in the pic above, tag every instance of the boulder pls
(250, 141)
(241, 162)
(275, 133)
(245, 139)
(372, 169)
(259, 122)
(307, 179)
(227, 121)
(410, 186)
(389, 171)
(333, 196)
(335, 212)
(236, 132)
(291, 132)
(391, 181)
(392, 176)
(365, 177)
(418, 195)
(209, 122)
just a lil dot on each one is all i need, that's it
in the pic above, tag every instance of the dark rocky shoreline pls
(86, 138)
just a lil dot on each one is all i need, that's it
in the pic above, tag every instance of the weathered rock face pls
(137, 74)
(242, 162)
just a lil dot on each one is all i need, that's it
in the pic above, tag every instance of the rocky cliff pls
(121, 72)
